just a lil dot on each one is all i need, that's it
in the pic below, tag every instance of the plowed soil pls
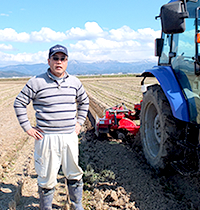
(116, 174)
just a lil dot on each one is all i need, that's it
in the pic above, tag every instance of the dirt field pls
(116, 175)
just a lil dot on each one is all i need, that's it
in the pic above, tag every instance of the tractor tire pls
(159, 129)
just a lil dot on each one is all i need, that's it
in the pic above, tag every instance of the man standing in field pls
(61, 106)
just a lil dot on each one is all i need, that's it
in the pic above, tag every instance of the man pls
(61, 106)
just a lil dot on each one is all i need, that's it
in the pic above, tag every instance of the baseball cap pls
(57, 48)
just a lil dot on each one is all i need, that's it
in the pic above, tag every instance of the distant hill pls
(78, 68)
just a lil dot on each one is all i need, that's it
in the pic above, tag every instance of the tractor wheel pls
(159, 129)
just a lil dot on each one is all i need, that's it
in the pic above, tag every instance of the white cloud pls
(92, 30)
(104, 45)
(100, 49)
(126, 33)
(27, 58)
(123, 33)
(123, 44)
(44, 35)
(6, 47)
(47, 35)
(90, 43)
(9, 34)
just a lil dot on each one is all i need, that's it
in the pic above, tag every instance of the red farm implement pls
(118, 120)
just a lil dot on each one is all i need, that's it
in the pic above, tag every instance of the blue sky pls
(91, 30)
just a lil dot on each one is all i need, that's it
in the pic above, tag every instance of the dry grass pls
(111, 91)
(12, 137)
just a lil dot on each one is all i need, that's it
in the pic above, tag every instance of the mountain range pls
(78, 68)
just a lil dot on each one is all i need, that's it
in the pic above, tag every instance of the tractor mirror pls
(158, 46)
(173, 17)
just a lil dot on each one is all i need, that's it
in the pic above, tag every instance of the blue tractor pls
(170, 114)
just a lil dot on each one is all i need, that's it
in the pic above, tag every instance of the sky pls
(91, 30)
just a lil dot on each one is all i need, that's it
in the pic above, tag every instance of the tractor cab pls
(179, 48)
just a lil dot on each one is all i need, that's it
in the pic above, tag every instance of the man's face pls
(58, 64)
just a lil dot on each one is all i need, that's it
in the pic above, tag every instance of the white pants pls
(52, 151)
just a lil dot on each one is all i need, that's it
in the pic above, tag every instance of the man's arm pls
(20, 106)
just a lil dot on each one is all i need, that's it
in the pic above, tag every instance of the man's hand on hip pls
(36, 133)
(78, 128)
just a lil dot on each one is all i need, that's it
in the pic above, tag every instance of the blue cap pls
(57, 48)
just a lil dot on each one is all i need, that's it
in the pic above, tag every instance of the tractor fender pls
(172, 90)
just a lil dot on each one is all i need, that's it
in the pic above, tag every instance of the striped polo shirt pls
(58, 104)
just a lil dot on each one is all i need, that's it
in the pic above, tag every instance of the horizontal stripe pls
(64, 119)
(50, 96)
(56, 87)
(30, 88)
(22, 122)
(27, 95)
(19, 115)
(52, 104)
(55, 127)
(61, 111)
(23, 102)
